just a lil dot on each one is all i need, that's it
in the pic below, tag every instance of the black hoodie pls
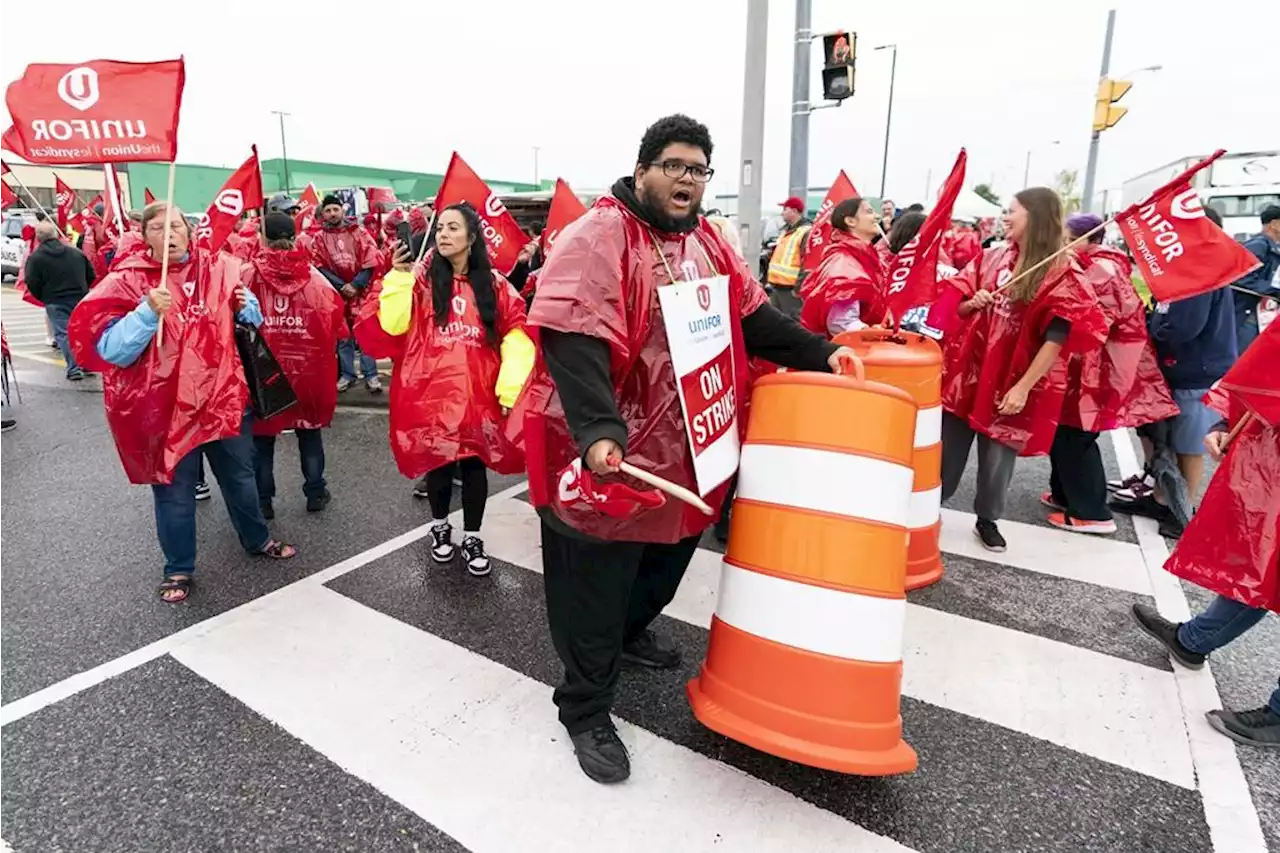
(57, 273)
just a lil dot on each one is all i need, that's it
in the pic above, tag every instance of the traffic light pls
(1105, 114)
(839, 50)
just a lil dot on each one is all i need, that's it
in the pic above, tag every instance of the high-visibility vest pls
(784, 263)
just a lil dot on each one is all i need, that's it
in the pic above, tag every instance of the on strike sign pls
(696, 316)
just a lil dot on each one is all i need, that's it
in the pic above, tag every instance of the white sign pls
(696, 315)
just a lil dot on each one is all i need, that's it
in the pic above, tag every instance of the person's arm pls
(519, 275)
(33, 274)
(395, 302)
(517, 352)
(90, 274)
(772, 335)
(579, 366)
(126, 338)
(362, 279)
(332, 277)
(251, 313)
(1182, 321)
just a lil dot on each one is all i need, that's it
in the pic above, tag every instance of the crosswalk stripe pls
(430, 724)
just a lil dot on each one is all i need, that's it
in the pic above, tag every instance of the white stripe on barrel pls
(826, 481)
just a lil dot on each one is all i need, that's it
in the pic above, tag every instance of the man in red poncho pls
(605, 388)
(347, 256)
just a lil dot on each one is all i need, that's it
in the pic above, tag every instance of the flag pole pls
(1085, 236)
(36, 202)
(164, 248)
(1237, 429)
(422, 250)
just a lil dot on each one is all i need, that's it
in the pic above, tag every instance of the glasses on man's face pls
(677, 169)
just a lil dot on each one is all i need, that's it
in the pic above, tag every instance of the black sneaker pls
(268, 511)
(1259, 727)
(202, 492)
(316, 503)
(474, 556)
(1166, 633)
(989, 535)
(8, 424)
(602, 755)
(1145, 506)
(75, 375)
(646, 650)
(420, 489)
(442, 547)
(1171, 528)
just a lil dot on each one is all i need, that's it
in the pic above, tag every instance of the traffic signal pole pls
(751, 169)
(800, 107)
(1091, 169)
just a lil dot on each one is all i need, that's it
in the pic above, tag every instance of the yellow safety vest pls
(784, 263)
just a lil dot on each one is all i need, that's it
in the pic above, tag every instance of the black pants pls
(599, 596)
(475, 491)
(1077, 479)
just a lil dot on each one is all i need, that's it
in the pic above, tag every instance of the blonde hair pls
(1041, 238)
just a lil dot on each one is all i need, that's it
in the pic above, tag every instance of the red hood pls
(1093, 252)
(857, 248)
(285, 270)
(417, 220)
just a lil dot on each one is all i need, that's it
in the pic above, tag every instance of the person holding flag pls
(846, 291)
(347, 256)
(168, 402)
(455, 330)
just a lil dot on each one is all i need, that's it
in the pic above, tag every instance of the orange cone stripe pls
(922, 546)
(880, 423)
(927, 463)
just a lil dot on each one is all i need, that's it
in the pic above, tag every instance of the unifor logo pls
(282, 303)
(230, 202)
(79, 88)
(493, 206)
(704, 297)
(62, 199)
(189, 288)
(1187, 205)
(459, 306)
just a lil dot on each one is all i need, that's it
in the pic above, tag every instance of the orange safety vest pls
(784, 263)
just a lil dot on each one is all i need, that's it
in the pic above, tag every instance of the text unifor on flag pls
(1179, 251)
(565, 208)
(100, 111)
(820, 233)
(241, 192)
(913, 271)
(502, 234)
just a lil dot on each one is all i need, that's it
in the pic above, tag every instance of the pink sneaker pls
(1080, 525)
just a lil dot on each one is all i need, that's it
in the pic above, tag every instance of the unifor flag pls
(1180, 253)
(565, 208)
(307, 203)
(579, 488)
(148, 197)
(100, 111)
(65, 197)
(384, 196)
(10, 197)
(77, 221)
(502, 234)
(113, 205)
(913, 271)
(241, 192)
(820, 233)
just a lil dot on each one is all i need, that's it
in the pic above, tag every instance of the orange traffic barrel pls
(913, 363)
(804, 660)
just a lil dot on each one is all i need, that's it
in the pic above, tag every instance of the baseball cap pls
(794, 203)
(278, 226)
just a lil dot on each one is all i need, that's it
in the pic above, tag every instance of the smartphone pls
(403, 234)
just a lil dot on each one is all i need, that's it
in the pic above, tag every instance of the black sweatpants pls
(1077, 479)
(475, 491)
(599, 596)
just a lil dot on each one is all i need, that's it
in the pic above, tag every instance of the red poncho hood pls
(850, 269)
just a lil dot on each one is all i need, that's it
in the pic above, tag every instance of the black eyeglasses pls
(676, 169)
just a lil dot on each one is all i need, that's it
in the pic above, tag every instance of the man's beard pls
(665, 223)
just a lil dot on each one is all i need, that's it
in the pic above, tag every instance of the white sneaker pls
(442, 547)
(344, 383)
(373, 385)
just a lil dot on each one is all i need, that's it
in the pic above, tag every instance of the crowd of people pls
(570, 372)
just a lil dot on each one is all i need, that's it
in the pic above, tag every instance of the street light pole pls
(1026, 173)
(750, 170)
(536, 182)
(888, 119)
(1086, 203)
(284, 151)
(800, 107)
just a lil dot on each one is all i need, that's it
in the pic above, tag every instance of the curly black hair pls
(673, 128)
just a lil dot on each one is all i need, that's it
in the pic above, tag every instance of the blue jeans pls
(1221, 622)
(231, 460)
(58, 315)
(347, 361)
(310, 452)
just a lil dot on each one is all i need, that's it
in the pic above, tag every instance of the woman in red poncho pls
(1119, 385)
(846, 291)
(168, 403)
(455, 329)
(1004, 371)
(303, 318)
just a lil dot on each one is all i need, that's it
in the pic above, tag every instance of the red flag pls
(241, 192)
(1252, 379)
(66, 201)
(100, 111)
(113, 206)
(1179, 251)
(616, 499)
(380, 195)
(9, 196)
(148, 197)
(565, 207)
(77, 221)
(502, 235)
(820, 234)
(913, 271)
(307, 204)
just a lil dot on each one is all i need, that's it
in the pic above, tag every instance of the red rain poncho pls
(95, 243)
(1119, 385)
(444, 405)
(344, 250)
(177, 397)
(302, 321)
(244, 243)
(602, 281)
(850, 270)
(993, 348)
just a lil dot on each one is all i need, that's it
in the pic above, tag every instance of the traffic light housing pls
(839, 51)
(1105, 113)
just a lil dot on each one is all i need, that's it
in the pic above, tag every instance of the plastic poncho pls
(302, 321)
(1119, 385)
(444, 381)
(993, 348)
(344, 250)
(602, 280)
(174, 398)
(850, 271)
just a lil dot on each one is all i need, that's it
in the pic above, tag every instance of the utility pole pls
(750, 171)
(800, 107)
(1086, 201)
(536, 182)
(284, 151)
(888, 119)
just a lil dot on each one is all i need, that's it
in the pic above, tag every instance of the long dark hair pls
(1041, 238)
(479, 272)
(845, 209)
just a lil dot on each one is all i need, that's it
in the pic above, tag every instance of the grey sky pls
(401, 84)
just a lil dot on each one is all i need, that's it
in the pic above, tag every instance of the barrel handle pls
(849, 362)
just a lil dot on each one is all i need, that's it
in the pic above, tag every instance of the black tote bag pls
(269, 390)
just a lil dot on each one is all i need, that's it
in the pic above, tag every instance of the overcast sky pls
(401, 84)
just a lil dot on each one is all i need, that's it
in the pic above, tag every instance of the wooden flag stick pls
(1063, 250)
(1236, 430)
(37, 203)
(678, 492)
(164, 248)
(422, 250)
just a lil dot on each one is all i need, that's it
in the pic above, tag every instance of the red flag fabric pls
(242, 191)
(565, 207)
(380, 195)
(578, 487)
(307, 204)
(913, 272)
(502, 235)
(65, 197)
(101, 111)
(1179, 251)
(148, 196)
(113, 207)
(76, 220)
(820, 234)
(1251, 380)
(9, 196)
